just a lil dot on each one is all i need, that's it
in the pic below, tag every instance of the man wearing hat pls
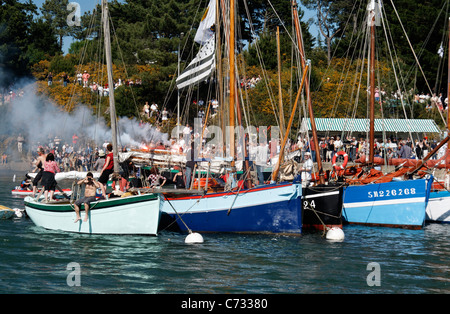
(100, 162)
(306, 170)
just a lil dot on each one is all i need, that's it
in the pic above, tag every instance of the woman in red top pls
(48, 176)
(107, 169)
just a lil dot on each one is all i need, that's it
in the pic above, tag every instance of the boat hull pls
(263, 209)
(138, 214)
(438, 209)
(399, 204)
(6, 212)
(322, 207)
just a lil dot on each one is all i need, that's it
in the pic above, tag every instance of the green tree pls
(55, 13)
(23, 41)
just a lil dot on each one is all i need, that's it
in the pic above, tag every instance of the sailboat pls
(322, 203)
(392, 203)
(272, 208)
(135, 214)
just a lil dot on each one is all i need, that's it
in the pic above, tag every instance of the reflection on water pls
(35, 260)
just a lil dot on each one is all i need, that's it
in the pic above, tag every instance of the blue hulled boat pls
(274, 208)
(391, 204)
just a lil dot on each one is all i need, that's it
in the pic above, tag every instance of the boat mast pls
(448, 81)
(280, 96)
(178, 90)
(112, 105)
(307, 91)
(372, 82)
(232, 81)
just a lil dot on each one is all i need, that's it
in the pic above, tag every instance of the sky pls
(85, 6)
(89, 5)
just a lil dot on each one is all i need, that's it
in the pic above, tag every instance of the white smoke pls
(39, 120)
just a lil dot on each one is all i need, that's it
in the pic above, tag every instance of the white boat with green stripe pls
(135, 214)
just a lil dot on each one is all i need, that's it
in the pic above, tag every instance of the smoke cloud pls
(39, 120)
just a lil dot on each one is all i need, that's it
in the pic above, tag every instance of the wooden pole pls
(280, 96)
(291, 119)
(112, 106)
(372, 92)
(232, 86)
(308, 94)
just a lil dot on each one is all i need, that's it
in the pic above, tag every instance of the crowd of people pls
(249, 82)
(84, 80)
(389, 148)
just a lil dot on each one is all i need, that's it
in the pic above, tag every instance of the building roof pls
(362, 125)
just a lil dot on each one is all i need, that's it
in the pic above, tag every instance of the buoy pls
(19, 212)
(335, 234)
(194, 237)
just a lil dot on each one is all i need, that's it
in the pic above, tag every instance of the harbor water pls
(369, 260)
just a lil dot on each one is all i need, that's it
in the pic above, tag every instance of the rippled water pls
(35, 260)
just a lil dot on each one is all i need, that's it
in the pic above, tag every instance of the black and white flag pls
(200, 67)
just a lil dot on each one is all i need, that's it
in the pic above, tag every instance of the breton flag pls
(441, 51)
(206, 28)
(200, 67)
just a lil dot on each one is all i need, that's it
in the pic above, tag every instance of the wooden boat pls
(138, 214)
(6, 212)
(375, 199)
(272, 208)
(134, 214)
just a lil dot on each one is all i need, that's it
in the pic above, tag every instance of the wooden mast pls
(112, 105)
(308, 93)
(280, 96)
(232, 86)
(448, 82)
(288, 128)
(372, 84)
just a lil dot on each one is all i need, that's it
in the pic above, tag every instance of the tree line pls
(148, 35)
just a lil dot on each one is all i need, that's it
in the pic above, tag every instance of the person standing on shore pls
(50, 79)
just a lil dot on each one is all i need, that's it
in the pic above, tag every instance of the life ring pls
(344, 164)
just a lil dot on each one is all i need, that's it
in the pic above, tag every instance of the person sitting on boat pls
(48, 176)
(155, 177)
(306, 170)
(89, 195)
(178, 178)
(26, 184)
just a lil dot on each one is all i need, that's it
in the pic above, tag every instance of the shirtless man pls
(89, 195)
(40, 160)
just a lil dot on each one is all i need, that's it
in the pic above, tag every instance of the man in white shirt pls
(261, 159)
(154, 109)
(338, 144)
(306, 170)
